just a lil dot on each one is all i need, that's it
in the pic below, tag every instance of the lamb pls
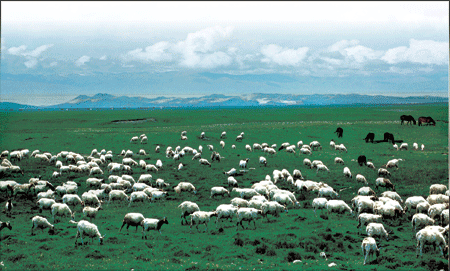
(432, 199)
(187, 208)
(369, 247)
(219, 191)
(91, 212)
(243, 163)
(61, 209)
(347, 172)
(438, 189)
(225, 211)
(152, 224)
(383, 182)
(366, 191)
(5, 225)
(272, 207)
(403, 146)
(419, 221)
(247, 214)
(327, 192)
(201, 217)
(361, 179)
(338, 160)
(205, 162)
(365, 218)
(377, 229)
(382, 172)
(319, 203)
(429, 236)
(184, 186)
(239, 202)
(338, 206)
(40, 222)
(436, 209)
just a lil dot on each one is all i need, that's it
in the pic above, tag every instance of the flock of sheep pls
(263, 198)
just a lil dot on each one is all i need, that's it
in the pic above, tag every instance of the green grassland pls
(298, 234)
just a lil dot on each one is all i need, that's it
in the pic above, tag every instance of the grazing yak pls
(362, 160)
(339, 132)
(427, 120)
(389, 137)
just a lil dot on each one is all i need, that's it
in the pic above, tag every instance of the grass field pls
(299, 234)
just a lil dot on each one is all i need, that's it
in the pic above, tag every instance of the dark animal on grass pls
(427, 120)
(388, 137)
(5, 225)
(369, 137)
(408, 119)
(362, 160)
(339, 132)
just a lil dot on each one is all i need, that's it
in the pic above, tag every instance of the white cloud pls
(419, 51)
(31, 63)
(283, 56)
(157, 52)
(82, 60)
(341, 45)
(38, 51)
(17, 50)
(103, 57)
(361, 54)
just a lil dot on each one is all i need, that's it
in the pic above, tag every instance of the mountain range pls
(106, 101)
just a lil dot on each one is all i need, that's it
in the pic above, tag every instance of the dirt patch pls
(134, 120)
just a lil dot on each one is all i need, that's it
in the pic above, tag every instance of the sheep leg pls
(32, 230)
(122, 226)
(254, 224)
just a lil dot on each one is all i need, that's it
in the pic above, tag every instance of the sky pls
(52, 52)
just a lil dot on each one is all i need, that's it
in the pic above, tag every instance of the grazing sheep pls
(322, 167)
(438, 189)
(315, 145)
(158, 195)
(338, 160)
(245, 193)
(347, 172)
(435, 199)
(95, 171)
(224, 134)
(134, 139)
(45, 203)
(40, 222)
(382, 182)
(91, 212)
(444, 217)
(370, 165)
(272, 207)
(382, 172)
(423, 207)
(247, 214)
(201, 217)
(393, 163)
(184, 186)
(88, 229)
(419, 221)
(132, 219)
(219, 191)
(152, 224)
(307, 162)
(369, 247)
(429, 236)
(61, 209)
(366, 191)
(422, 147)
(361, 179)
(284, 199)
(90, 199)
(332, 144)
(263, 161)
(205, 162)
(326, 192)
(93, 182)
(436, 209)
(225, 211)
(5, 225)
(364, 219)
(243, 163)
(187, 208)
(388, 211)
(161, 184)
(403, 146)
(239, 202)
(377, 229)
(72, 200)
(412, 202)
(340, 148)
(338, 206)
(138, 196)
(392, 195)
(115, 195)
(319, 203)
(23, 188)
(232, 182)
(151, 168)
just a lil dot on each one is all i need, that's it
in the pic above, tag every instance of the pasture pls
(296, 235)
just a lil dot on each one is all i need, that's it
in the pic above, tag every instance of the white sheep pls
(422, 147)
(245, 193)
(369, 247)
(392, 195)
(338, 206)
(117, 195)
(201, 217)
(138, 196)
(435, 199)
(94, 182)
(284, 199)
(231, 172)
(243, 163)
(40, 222)
(90, 199)
(403, 146)
(146, 179)
(158, 195)
(332, 144)
(95, 171)
(225, 211)
(366, 191)
(187, 208)
(132, 219)
(45, 203)
(377, 229)
(393, 163)
(272, 207)
(152, 224)
(72, 200)
(444, 217)
(361, 179)
(382, 172)
(436, 209)
(159, 164)
(383, 182)
(185, 186)
(326, 192)
(247, 214)
(91, 212)
(263, 160)
(412, 202)
(239, 202)
(365, 218)
(370, 165)
(438, 189)
(315, 145)
(151, 168)
(429, 236)
(88, 229)
(340, 148)
(415, 146)
(160, 183)
(423, 207)
(217, 190)
(205, 162)
(224, 134)
(232, 182)
(338, 160)
(61, 209)
(347, 172)
(49, 194)
(419, 221)
(307, 162)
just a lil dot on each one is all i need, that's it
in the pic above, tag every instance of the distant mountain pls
(15, 106)
(103, 100)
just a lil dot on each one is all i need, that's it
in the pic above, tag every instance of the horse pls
(339, 131)
(389, 137)
(370, 137)
(408, 119)
(427, 120)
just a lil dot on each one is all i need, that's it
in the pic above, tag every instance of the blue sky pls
(53, 51)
